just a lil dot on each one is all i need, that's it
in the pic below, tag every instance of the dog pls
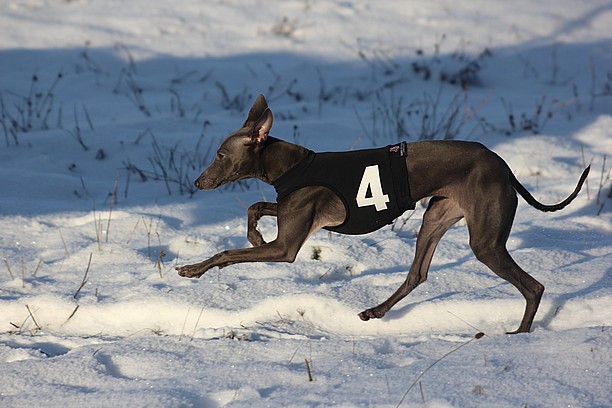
(463, 179)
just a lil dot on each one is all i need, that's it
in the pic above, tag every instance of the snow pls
(100, 98)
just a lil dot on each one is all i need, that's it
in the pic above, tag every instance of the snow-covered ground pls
(110, 109)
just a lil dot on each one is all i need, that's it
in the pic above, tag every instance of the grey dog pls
(464, 179)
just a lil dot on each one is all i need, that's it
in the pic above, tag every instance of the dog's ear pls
(257, 110)
(261, 128)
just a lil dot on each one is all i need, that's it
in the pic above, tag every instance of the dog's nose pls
(196, 183)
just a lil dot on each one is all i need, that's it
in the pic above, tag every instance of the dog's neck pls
(278, 157)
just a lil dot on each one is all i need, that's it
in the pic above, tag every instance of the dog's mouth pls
(207, 183)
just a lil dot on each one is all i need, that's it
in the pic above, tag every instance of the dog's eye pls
(220, 155)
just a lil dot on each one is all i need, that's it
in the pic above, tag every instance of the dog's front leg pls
(297, 219)
(269, 252)
(254, 213)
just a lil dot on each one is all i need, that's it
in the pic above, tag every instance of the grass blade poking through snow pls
(477, 336)
(84, 281)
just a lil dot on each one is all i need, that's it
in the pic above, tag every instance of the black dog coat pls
(372, 184)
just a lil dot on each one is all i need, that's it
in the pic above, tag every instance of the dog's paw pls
(190, 271)
(363, 316)
(371, 314)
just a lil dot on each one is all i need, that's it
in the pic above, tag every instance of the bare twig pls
(477, 336)
(97, 227)
(72, 314)
(8, 268)
(159, 267)
(84, 281)
(242, 202)
(195, 327)
(112, 205)
(293, 355)
(22, 266)
(64, 242)
(161, 254)
(473, 327)
(33, 319)
(148, 228)
(422, 395)
(603, 180)
(132, 232)
(310, 378)
(40, 261)
(403, 222)
(88, 118)
(184, 323)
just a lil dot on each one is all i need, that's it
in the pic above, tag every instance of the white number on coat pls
(371, 181)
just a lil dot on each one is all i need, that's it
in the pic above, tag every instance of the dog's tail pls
(543, 207)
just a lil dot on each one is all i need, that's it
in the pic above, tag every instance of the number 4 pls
(371, 180)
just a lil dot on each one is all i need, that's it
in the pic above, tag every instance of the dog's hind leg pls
(254, 213)
(441, 214)
(489, 231)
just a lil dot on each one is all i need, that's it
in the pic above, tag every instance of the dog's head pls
(237, 157)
